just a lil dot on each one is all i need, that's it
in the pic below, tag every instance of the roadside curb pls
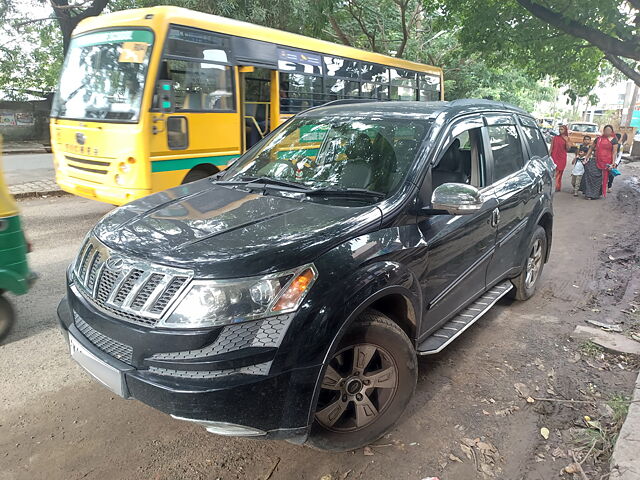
(49, 193)
(625, 462)
(25, 151)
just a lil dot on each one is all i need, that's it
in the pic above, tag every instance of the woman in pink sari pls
(605, 148)
(560, 145)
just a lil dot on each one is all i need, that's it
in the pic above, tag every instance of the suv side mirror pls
(457, 198)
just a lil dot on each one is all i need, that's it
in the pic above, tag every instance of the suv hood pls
(223, 232)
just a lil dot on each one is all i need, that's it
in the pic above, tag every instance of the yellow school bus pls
(152, 98)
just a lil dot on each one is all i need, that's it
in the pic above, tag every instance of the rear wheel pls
(7, 317)
(525, 283)
(366, 386)
(198, 174)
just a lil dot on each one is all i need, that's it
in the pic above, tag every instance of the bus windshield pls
(103, 76)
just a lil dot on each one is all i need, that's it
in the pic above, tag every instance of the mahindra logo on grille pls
(115, 263)
(80, 138)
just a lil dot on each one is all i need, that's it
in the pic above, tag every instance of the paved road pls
(57, 423)
(27, 167)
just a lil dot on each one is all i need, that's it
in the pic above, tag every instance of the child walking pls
(578, 168)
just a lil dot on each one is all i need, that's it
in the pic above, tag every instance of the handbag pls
(614, 171)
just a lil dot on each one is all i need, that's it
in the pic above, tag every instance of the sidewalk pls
(625, 461)
(27, 146)
(35, 188)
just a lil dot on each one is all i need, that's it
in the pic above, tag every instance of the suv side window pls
(463, 160)
(537, 145)
(507, 150)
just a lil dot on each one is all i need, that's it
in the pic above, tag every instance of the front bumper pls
(103, 193)
(275, 405)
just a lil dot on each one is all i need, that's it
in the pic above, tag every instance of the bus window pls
(374, 90)
(429, 87)
(374, 73)
(299, 92)
(339, 67)
(338, 88)
(403, 84)
(194, 61)
(201, 86)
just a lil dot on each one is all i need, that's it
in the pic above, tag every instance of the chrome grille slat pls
(125, 287)
(145, 292)
(132, 290)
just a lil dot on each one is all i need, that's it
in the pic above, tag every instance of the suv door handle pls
(539, 186)
(495, 217)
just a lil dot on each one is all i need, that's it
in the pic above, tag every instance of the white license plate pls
(109, 376)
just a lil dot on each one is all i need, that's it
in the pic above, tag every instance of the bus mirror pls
(165, 96)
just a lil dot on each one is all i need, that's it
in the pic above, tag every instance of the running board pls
(458, 324)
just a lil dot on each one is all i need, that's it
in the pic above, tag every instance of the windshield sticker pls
(133, 52)
(99, 38)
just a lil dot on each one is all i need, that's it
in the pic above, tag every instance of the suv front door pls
(515, 188)
(459, 246)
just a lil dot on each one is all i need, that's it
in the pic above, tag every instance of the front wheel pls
(366, 386)
(7, 317)
(525, 283)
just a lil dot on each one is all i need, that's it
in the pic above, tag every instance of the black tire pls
(345, 417)
(7, 317)
(197, 174)
(525, 285)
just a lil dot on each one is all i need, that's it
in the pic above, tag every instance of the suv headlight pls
(210, 303)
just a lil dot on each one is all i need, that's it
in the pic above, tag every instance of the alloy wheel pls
(534, 263)
(360, 382)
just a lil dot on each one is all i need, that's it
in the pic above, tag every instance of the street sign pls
(635, 119)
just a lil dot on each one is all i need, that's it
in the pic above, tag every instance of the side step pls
(467, 317)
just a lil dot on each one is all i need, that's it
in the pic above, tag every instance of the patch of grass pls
(620, 406)
(590, 349)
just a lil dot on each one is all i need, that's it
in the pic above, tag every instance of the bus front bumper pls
(103, 193)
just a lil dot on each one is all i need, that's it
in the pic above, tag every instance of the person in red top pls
(606, 150)
(560, 145)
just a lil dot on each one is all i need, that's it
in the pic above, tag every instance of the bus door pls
(259, 91)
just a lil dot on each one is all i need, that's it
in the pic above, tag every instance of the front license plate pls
(109, 376)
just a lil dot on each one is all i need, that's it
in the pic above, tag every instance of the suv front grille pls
(135, 291)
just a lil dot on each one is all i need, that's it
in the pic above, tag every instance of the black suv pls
(288, 296)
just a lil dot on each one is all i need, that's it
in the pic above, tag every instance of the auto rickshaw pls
(15, 276)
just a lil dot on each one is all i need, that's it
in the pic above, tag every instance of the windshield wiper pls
(345, 192)
(248, 180)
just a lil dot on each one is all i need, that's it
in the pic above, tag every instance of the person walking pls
(596, 173)
(578, 168)
(560, 145)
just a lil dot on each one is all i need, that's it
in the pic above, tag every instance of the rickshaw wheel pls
(7, 317)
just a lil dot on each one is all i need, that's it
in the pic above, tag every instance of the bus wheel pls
(7, 317)
(198, 173)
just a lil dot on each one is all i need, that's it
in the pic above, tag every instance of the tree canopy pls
(488, 48)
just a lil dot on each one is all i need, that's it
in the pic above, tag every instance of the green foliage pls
(506, 34)
(30, 54)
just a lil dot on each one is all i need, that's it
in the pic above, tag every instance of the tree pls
(68, 13)
(567, 39)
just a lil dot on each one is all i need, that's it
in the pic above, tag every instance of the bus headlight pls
(118, 179)
(215, 303)
(124, 167)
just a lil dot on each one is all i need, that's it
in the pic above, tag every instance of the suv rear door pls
(516, 188)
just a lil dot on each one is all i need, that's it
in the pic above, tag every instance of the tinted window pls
(339, 67)
(429, 87)
(299, 92)
(197, 44)
(507, 150)
(537, 146)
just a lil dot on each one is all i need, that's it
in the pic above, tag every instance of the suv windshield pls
(103, 76)
(327, 152)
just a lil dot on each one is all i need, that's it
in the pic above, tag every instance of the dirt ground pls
(469, 419)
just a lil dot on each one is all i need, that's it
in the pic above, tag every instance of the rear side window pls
(537, 145)
(507, 150)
